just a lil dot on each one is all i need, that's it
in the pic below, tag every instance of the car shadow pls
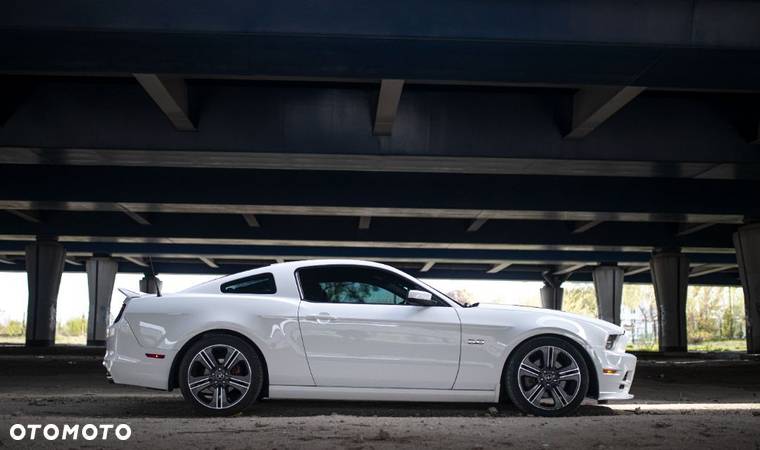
(176, 407)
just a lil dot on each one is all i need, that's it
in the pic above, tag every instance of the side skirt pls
(382, 394)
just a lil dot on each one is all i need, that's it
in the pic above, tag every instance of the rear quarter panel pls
(165, 324)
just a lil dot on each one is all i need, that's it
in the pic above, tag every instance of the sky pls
(73, 297)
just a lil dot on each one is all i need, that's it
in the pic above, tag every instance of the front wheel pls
(546, 376)
(221, 375)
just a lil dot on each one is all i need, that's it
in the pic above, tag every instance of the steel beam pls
(428, 265)
(136, 260)
(686, 229)
(132, 214)
(476, 224)
(593, 106)
(171, 96)
(582, 227)
(364, 222)
(387, 106)
(251, 220)
(702, 270)
(498, 267)
(637, 270)
(209, 262)
(569, 269)
(29, 216)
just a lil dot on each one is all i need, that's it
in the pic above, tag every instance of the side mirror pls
(420, 298)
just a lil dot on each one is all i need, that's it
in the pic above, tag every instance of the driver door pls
(359, 331)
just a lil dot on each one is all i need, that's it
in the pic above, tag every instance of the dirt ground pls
(679, 404)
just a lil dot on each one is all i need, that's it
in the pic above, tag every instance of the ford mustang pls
(357, 330)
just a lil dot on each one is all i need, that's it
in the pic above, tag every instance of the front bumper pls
(616, 385)
(126, 360)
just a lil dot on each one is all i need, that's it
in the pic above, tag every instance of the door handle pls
(322, 317)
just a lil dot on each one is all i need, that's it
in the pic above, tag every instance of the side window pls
(345, 284)
(262, 283)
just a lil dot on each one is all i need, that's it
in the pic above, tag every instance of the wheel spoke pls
(526, 368)
(199, 385)
(570, 374)
(239, 382)
(232, 357)
(207, 360)
(560, 399)
(535, 394)
(220, 397)
(550, 356)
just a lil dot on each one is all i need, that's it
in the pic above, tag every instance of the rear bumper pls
(127, 363)
(616, 386)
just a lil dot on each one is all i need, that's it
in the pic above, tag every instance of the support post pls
(747, 243)
(608, 284)
(101, 274)
(45, 260)
(552, 292)
(670, 276)
(150, 284)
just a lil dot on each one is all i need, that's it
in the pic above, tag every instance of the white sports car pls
(356, 330)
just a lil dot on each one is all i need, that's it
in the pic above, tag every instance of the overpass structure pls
(532, 140)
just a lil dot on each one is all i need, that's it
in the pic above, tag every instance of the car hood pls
(609, 327)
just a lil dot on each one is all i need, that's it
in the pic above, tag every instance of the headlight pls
(611, 339)
(616, 342)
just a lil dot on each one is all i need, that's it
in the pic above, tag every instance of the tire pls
(221, 375)
(551, 390)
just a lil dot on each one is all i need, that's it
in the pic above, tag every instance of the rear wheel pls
(221, 375)
(546, 376)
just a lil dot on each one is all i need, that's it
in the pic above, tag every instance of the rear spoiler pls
(129, 295)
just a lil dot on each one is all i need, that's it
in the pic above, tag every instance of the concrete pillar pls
(552, 292)
(670, 276)
(608, 284)
(101, 274)
(150, 284)
(747, 243)
(44, 266)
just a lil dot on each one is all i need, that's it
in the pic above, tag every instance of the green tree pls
(703, 313)
(580, 299)
(13, 328)
(74, 327)
(462, 296)
(640, 306)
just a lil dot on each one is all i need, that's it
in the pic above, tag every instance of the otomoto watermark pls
(69, 432)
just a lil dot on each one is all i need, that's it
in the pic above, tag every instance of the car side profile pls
(358, 330)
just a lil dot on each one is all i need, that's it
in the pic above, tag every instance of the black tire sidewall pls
(509, 382)
(253, 360)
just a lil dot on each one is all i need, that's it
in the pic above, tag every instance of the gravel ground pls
(679, 404)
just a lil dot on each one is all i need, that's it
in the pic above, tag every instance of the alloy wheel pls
(549, 377)
(219, 376)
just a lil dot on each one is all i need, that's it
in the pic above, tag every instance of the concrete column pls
(608, 284)
(150, 284)
(101, 274)
(44, 266)
(552, 292)
(747, 243)
(670, 276)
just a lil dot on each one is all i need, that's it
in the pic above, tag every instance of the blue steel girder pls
(434, 193)
(96, 121)
(666, 43)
